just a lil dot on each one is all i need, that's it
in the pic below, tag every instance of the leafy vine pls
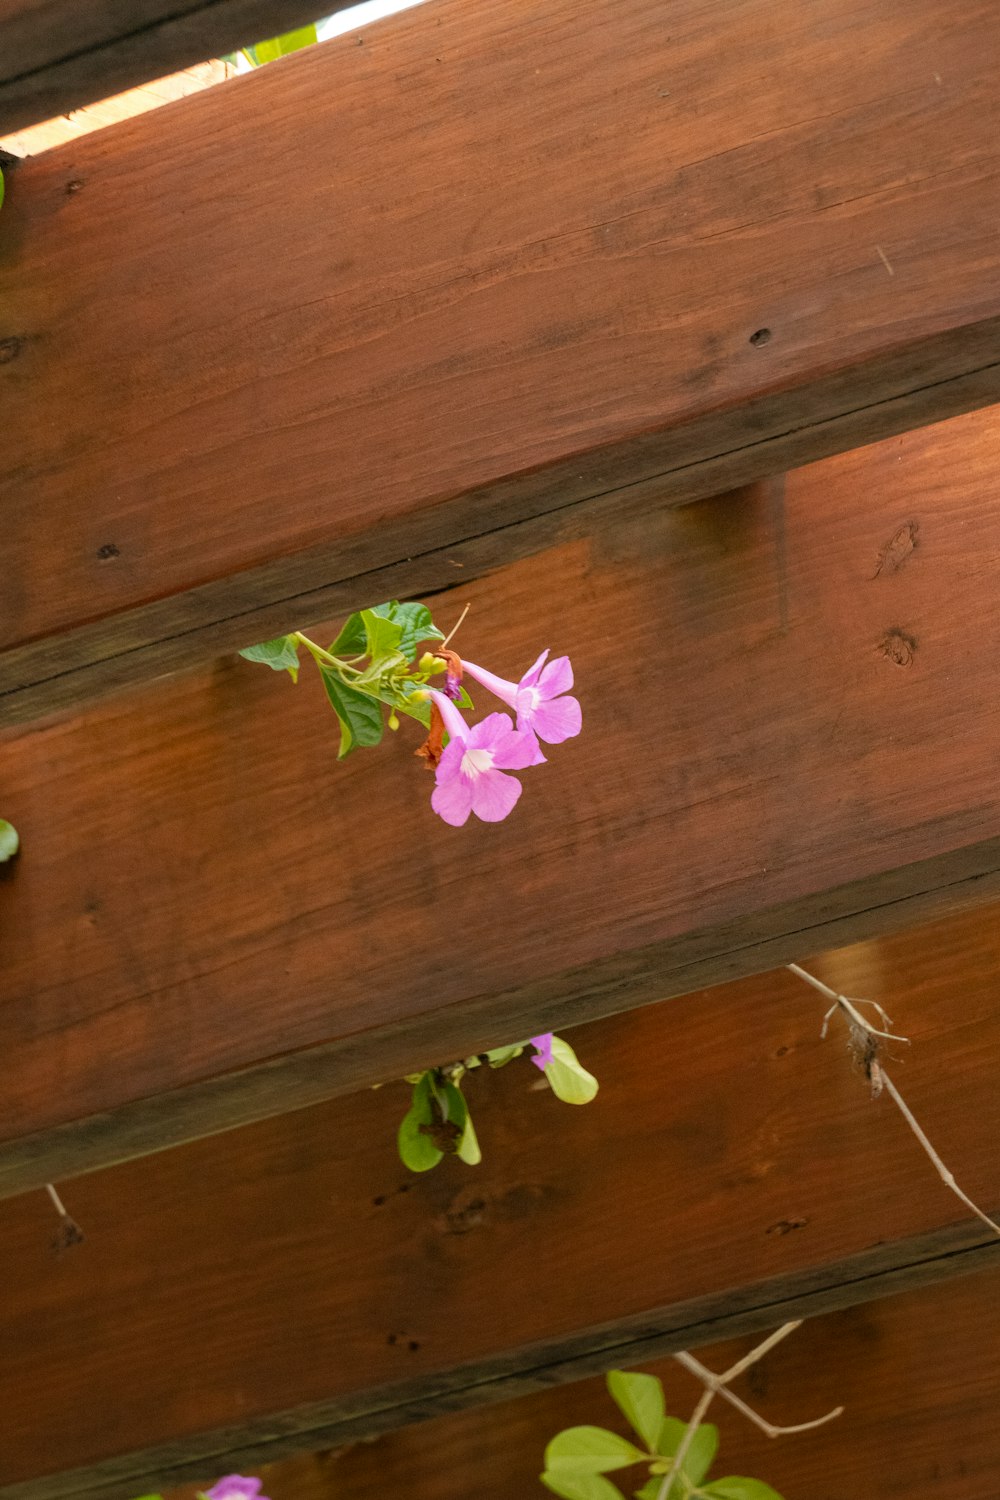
(678, 1456)
(438, 1122)
(373, 664)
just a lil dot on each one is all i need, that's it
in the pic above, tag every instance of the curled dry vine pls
(867, 1043)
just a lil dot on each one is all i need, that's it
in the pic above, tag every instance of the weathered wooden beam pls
(292, 1287)
(137, 101)
(918, 1374)
(491, 264)
(59, 55)
(791, 720)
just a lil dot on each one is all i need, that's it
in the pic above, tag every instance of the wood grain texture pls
(450, 283)
(137, 101)
(57, 55)
(291, 1287)
(792, 704)
(918, 1374)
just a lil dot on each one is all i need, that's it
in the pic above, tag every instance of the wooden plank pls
(57, 55)
(491, 264)
(291, 1287)
(137, 101)
(791, 718)
(919, 1375)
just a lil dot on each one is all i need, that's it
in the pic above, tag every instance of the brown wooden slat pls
(919, 1375)
(137, 101)
(292, 1287)
(56, 55)
(791, 725)
(380, 308)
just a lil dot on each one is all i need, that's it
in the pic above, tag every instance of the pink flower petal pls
(537, 759)
(450, 763)
(516, 750)
(485, 734)
(557, 677)
(451, 799)
(533, 673)
(494, 795)
(498, 686)
(456, 726)
(235, 1487)
(557, 720)
(543, 1050)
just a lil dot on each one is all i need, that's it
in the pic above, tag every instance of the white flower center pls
(475, 761)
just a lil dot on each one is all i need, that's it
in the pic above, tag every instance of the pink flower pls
(471, 772)
(543, 1050)
(537, 699)
(235, 1487)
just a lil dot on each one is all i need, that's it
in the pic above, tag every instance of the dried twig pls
(866, 1043)
(716, 1385)
(70, 1232)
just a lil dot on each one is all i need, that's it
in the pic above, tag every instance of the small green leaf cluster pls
(371, 663)
(577, 1460)
(277, 46)
(438, 1122)
(9, 841)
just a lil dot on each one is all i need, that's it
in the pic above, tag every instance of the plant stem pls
(715, 1385)
(705, 1401)
(57, 1202)
(453, 629)
(711, 1380)
(318, 654)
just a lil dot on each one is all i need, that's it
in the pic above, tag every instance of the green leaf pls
(281, 46)
(1, 189)
(640, 1400)
(360, 715)
(589, 1450)
(414, 621)
(351, 640)
(581, 1486)
(567, 1080)
(458, 1111)
(702, 1451)
(416, 1149)
(735, 1488)
(651, 1489)
(382, 635)
(499, 1057)
(9, 841)
(281, 654)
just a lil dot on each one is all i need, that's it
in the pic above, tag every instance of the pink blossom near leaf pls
(539, 700)
(543, 1050)
(471, 774)
(235, 1487)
